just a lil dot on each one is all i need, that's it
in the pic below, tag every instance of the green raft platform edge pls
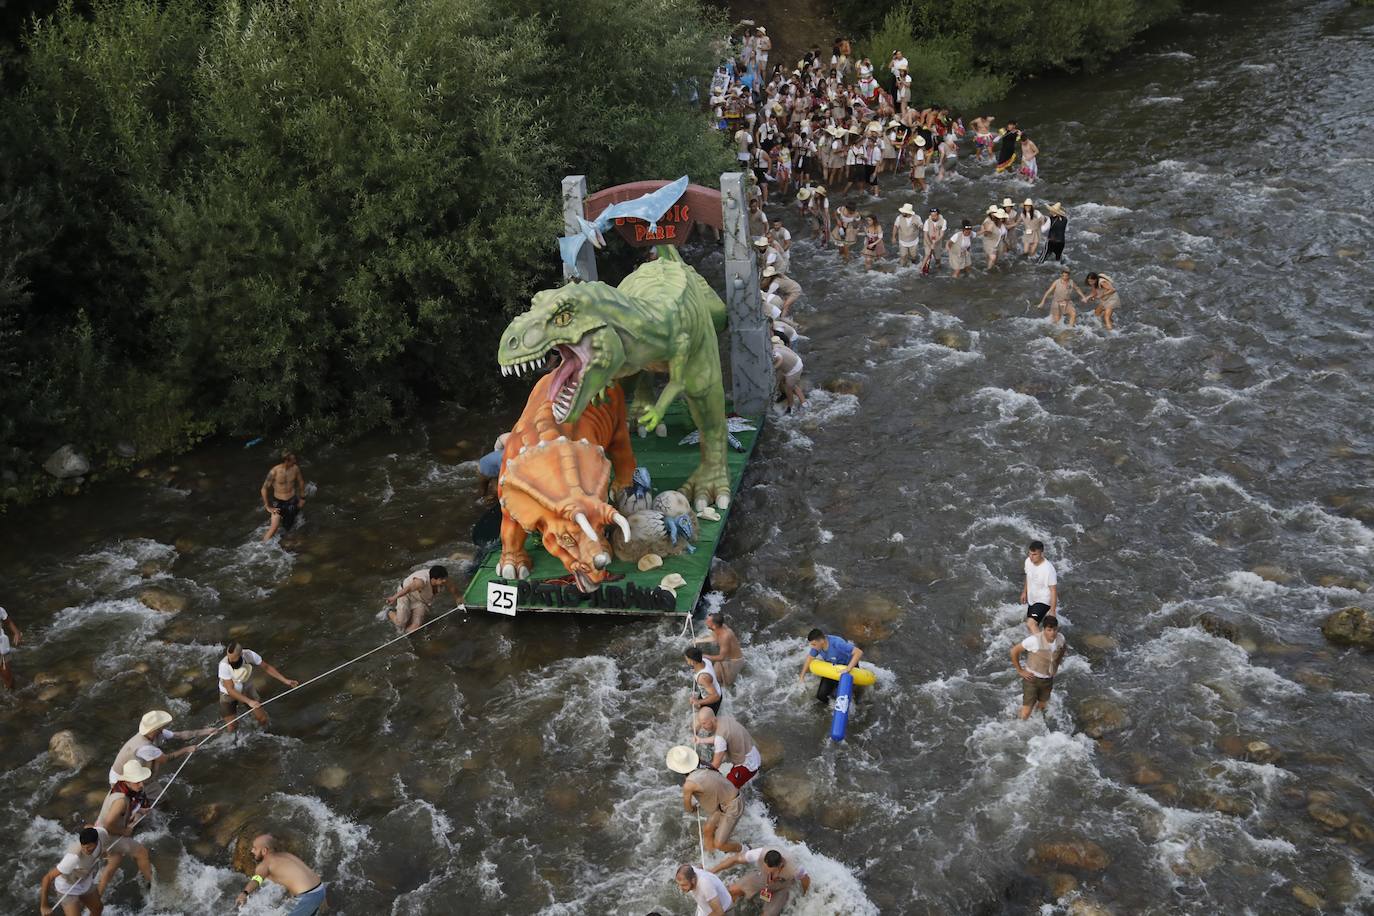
(669, 465)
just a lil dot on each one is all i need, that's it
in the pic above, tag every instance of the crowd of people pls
(829, 127)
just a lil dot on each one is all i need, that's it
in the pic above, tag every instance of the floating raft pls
(636, 593)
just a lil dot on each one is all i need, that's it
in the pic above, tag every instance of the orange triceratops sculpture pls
(554, 480)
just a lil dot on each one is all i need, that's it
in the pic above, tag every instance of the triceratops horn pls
(623, 524)
(586, 527)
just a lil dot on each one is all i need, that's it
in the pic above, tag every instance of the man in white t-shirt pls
(74, 877)
(706, 890)
(6, 672)
(236, 683)
(1040, 593)
(146, 745)
(1044, 652)
(776, 874)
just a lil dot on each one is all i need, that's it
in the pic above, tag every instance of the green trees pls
(309, 217)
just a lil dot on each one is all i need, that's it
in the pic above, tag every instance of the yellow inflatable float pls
(862, 676)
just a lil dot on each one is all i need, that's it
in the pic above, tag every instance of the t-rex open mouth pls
(573, 360)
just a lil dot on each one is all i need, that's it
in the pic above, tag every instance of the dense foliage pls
(970, 50)
(306, 217)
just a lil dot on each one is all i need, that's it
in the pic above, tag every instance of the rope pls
(701, 840)
(249, 711)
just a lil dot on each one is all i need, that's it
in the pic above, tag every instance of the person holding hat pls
(283, 494)
(707, 791)
(918, 162)
(1056, 232)
(1031, 227)
(960, 248)
(235, 676)
(144, 746)
(301, 881)
(7, 623)
(776, 875)
(846, 230)
(706, 890)
(874, 242)
(787, 369)
(933, 234)
(906, 232)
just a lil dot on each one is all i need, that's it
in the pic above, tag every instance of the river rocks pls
(68, 753)
(1352, 626)
(770, 752)
(1085, 907)
(1275, 574)
(1347, 582)
(1216, 626)
(1061, 884)
(1077, 853)
(332, 778)
(1146, 775)
(774, 607)
(1197, 860)
(206, 815)
(1186, 264)
(1099, 716)
(791, 793)
(1261, 752)
(162, 600)
(1308, 898)
(1327, 816)
(301, 577)
(126, 450)
(724, 578)
(954, 338)
(1100, 642)
(844, 386)
(66, 463)
(48, 694)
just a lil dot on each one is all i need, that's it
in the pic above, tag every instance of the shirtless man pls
(982, 137)
(729, 658)
(415, 598)
(283, 494)
(299, 879)
(6, 672)
(906, 231)
(1062, 303)
(709, 792)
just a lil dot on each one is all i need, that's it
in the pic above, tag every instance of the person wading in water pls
(283, 494)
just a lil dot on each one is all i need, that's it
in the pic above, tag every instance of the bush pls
(941, 67)
(309, 217)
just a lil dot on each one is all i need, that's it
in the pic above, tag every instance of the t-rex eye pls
(563, 318)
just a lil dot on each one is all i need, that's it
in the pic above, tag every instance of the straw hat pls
(907, 210)
(649, 561)
(672, 582)
(874, 127)
(820, 190)
(990, 208)
(761, 242)
(770, 271)
(920, 141)
(999, 213)
(1028, 202)
(682, 759)
(1057, 209)
(154, 720)
(1006, 202)
(804, 194)
(762, 30)
(854, 131)
(134, 772)
(894, 123)
(778, 341)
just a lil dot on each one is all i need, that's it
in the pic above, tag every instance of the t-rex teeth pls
(505, 370)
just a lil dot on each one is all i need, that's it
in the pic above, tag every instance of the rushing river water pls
(1212, 455)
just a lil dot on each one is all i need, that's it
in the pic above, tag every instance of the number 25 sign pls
(501, 598)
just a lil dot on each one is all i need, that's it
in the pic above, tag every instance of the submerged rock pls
(844, 386)
(1327, 816)
(954, 338)
(1061, 883)
(1352, 626)
(332, 778)
(1216, 626)
(1098, 641)
(1099, 716)
(724, 578)
(1308, 898)
(68, 753)
(162, 600)
(67, 462)
(790, 792)
(1077, 853)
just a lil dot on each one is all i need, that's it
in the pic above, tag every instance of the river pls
(1211, 456)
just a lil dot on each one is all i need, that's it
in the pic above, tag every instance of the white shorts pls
(73, 890)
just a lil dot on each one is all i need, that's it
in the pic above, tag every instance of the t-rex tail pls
(714, 303)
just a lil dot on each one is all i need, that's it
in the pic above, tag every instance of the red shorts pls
(740, 774)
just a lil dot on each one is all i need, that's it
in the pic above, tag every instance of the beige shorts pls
(727, 670)
(1062, 308)
(754, 882)
(228, 706)
(410, 609)
(722, 823)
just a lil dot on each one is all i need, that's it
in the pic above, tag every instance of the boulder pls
(68, 753)
(791, 793)
(843, 386)
(1084, 907)
(1061, 884)
(1216, 626)
(954, 338)
(1100, 642)
(1308, 898)
(1261, 752)
(724, 578)
(841, 814)
(126, 450)
(1077, 853)
(1352, 626)
(162, 600)
(67, 462)
(1327, 816)
(1346, 582)
(1146, 775)
(1276, 574)
(331, 778)
(1099, 716)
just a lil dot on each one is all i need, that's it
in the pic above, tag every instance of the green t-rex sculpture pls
(663, 318)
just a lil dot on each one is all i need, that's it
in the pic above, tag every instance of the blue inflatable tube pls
(842, 694)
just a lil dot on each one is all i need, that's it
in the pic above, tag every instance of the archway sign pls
(751, 353)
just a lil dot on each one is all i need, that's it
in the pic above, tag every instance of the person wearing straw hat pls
(708, 792)
(933, 234)
(235, 676)
(960, 248)
(145, 746)
(778, 283)
(303, 883)
(918, 162)
(1011, 221)
(7, 623)
(787, 368)
(74, 876)
(706, 890)
(727, 747)
(991, 234)
(906, 232)
(705, 686)
(1056, 233)
(775, 876)
(762, 46)
(124, 808)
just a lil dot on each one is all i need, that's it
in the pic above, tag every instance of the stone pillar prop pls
(575, 206)
(751, 351)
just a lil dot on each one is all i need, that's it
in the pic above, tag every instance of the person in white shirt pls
(1040, 593)
(236, 683)
(706, 890)
(1045, 651)
(933, 234)
(74, 877)
(6, 672)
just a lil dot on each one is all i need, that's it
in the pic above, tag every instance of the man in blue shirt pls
(833, 649)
